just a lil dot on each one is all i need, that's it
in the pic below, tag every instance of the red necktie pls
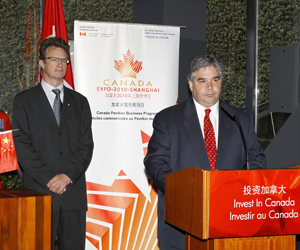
(210, 140)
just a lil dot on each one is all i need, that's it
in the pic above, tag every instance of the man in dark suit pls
(54, 144)
(198, 133)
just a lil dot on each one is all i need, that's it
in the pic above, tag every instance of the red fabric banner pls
(8, 158)
(254, 203)
(54, 24)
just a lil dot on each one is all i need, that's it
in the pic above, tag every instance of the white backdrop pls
(128, 72)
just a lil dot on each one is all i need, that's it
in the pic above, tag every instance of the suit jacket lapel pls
(43, 103)
(68, 105)
(193, 129)
(224, 137)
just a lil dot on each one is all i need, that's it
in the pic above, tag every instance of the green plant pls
(226, 39)
(11, 181)
(14, 19)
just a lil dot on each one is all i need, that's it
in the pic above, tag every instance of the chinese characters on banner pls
(254, 203)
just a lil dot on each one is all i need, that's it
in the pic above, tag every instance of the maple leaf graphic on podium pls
(119, 216)
(128, 68)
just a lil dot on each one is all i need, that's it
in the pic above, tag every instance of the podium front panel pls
(254, 203)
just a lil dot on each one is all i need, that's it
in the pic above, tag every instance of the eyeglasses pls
(57, 60)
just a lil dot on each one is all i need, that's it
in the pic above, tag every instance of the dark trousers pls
(163, 246)
(69, 227)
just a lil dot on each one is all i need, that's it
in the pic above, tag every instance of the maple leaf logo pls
(128, 68)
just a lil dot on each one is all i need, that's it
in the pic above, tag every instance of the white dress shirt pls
(50, 94)
(214, 117)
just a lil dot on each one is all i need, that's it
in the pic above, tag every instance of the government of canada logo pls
(128, 68)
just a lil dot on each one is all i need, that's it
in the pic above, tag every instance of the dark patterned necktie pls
(57, 105)
(210, 140)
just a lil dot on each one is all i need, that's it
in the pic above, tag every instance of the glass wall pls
(278, 27)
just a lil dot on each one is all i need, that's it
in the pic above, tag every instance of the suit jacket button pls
(60, 153)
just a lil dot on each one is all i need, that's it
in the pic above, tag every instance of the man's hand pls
(59, 183)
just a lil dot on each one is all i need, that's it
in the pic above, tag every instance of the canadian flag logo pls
(82, 33)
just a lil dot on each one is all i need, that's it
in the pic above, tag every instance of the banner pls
(54, 24)
(128, 72)
(8, 158)
(254, 203)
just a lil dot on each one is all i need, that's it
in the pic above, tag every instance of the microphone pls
(229, 111)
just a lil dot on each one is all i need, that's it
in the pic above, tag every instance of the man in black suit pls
(179, 140)
(54, 144)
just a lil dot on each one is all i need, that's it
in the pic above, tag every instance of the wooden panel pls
(8, 222)
(43, 225)
(26, 222)
(254, 244)
(25, 217)
(187, 208)
(192, 243)
(286, 242)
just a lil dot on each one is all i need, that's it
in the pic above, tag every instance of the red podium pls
(235, 209)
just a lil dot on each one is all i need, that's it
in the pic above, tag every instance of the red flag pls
(8, 158)
(54, 24)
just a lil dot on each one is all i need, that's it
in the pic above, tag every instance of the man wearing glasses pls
(54, 144)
